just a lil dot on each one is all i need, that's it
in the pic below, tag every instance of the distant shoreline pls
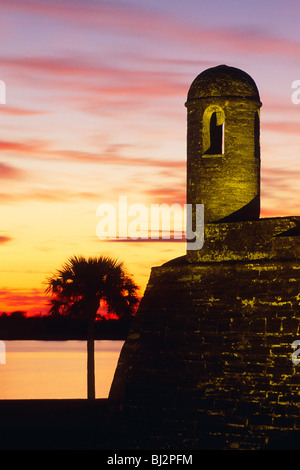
(59, 329)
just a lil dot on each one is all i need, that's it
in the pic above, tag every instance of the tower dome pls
(223, 81)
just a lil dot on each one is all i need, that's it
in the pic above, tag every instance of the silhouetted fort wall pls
(208, 360)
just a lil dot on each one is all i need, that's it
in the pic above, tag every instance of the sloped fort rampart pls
(208, 360)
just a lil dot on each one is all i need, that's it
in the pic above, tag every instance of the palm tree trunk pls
(91, 360)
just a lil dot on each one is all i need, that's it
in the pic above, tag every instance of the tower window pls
(213, 131)
(216, 136)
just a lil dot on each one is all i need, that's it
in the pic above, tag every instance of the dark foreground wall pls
(60, 425)
(106, 426)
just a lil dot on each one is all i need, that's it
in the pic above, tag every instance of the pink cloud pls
(254, 41)
(56, 194)
(54, 65)
(30, 147)
(109, 16)
(20, 111)
(111, 155)
(280, 192)
(117, 17)
(47, 195)
(4, 239)
(285, 127)
(280, 174)
(9, 172)
(96, 81)
(121, 82)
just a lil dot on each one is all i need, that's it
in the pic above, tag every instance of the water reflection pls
(55, 369)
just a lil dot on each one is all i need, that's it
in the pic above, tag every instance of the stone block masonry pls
(210, 351)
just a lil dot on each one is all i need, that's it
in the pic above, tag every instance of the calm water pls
(55, 369)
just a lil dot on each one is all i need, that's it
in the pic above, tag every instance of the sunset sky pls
(95, 95)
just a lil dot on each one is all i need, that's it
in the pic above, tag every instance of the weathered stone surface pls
(227, 183)
(212, 344)
(271, 238)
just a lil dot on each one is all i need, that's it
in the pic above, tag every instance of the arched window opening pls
(216, 136)
(213, 131)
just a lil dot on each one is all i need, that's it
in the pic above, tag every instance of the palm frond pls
(79, 285)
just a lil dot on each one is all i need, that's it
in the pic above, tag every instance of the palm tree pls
(79, 287)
